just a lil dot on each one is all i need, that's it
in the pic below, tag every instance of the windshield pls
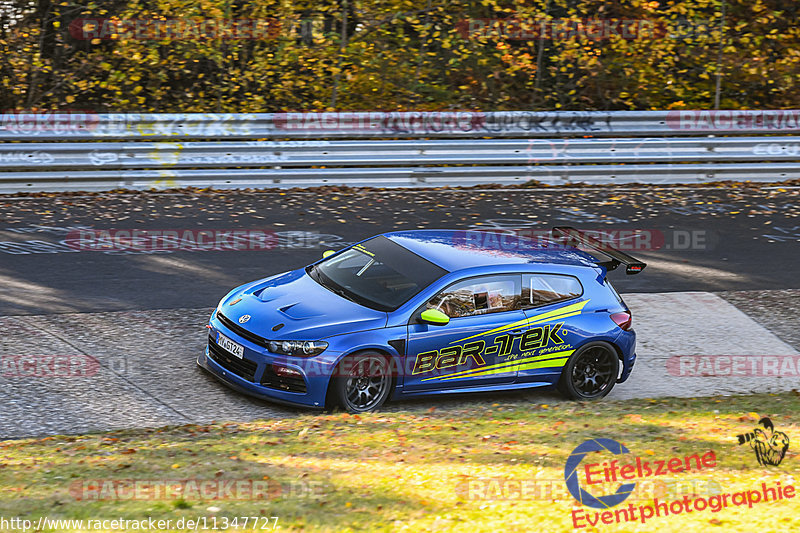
(377, 273)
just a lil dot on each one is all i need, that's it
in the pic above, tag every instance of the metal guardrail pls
(396, 176)
(82, 151)
(380, 124)
(87, 156)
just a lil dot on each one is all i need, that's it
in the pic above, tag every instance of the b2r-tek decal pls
(534, 344)
(449, 357)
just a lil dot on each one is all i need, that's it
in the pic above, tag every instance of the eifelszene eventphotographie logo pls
(771, 447)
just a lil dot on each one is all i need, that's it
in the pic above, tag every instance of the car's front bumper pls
(245, 387)
(254, 374)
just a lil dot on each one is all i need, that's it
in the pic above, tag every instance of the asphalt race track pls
(721, 266)
(711, 239)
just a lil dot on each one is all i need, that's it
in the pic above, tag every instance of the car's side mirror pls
(327, 253)
(434, 317)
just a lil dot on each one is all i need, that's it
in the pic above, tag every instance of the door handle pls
(517, 331)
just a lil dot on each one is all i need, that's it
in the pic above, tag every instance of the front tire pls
(362, 382)
(590, 373)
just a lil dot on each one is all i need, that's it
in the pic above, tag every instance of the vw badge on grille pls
(243, 319)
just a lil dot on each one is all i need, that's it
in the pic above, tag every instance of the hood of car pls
(292, 306)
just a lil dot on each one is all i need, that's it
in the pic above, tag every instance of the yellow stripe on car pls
(556, 314)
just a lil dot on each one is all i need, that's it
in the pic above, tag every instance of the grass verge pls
(491, 468)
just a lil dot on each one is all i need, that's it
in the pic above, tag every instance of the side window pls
(541, 289)
(479, 296)
(613, 290)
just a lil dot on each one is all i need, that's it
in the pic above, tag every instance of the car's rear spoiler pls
(616, 257)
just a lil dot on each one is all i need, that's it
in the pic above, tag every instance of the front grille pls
(241, 367)
(239, 330)
(273, 381)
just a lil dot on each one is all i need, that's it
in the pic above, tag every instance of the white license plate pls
(233, 347)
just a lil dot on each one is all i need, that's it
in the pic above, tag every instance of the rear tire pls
(590, 373)
(362, 382)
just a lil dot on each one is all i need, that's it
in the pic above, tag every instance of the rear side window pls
(478, 296)
(613, 290)
(542, 289)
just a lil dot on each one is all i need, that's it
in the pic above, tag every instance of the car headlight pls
(298, 348)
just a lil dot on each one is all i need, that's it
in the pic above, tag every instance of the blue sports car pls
(415, 313)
